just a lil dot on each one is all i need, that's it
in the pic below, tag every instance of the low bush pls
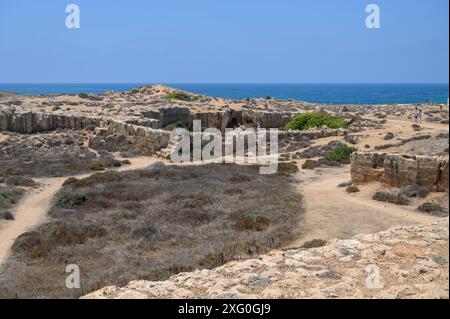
(315, 243)
(181, 96)
(70, 181)
(97, 166)
(66, 200)
(340, 154)
(287, 168)
(388, 197)
(6, 216)
(311, 120)
(415, 191)
(20, 181)
(310, 164)
(250, 222)
(433, 209)
(238, 178)
(353, 189)
(9, 196)
(233, 191)
(146, 232)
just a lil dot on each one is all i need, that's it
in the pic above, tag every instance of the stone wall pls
(401, 170)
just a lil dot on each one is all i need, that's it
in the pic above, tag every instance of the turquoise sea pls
(319, 93)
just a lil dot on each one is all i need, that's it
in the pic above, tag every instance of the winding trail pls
(32, 209)
(330, 212)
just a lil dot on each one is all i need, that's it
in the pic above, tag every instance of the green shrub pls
(315, 243)
(9, 196)
(71, 200)
(340, 154)
(181, 96)
(6, 197)
(307, 121)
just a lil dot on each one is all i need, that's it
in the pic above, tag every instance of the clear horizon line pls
(226, 83)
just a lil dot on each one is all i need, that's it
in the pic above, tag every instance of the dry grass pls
(125, 226)
(20, 181)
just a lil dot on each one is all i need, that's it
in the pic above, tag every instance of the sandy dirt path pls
(32, 209)
(330, 212)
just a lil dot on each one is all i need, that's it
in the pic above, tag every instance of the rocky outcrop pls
(402, 262)
(221, 120)
(111, 134)
(401, 170)
(312, 134)
(366, 167)
(31, 122)
(443, 180)
(267, 119)
(118, 136)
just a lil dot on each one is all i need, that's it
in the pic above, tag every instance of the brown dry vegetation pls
(120, 227)
(9, 195)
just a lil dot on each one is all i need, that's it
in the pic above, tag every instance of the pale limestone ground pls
(402, 262)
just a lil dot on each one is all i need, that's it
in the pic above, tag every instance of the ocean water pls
(318, 93)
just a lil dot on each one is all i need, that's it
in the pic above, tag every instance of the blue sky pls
(224, 41)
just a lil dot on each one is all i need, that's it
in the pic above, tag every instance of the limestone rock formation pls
(31, 122)
(365, 169)
(401, 170)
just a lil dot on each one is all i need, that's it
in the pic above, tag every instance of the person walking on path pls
(416, 115)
